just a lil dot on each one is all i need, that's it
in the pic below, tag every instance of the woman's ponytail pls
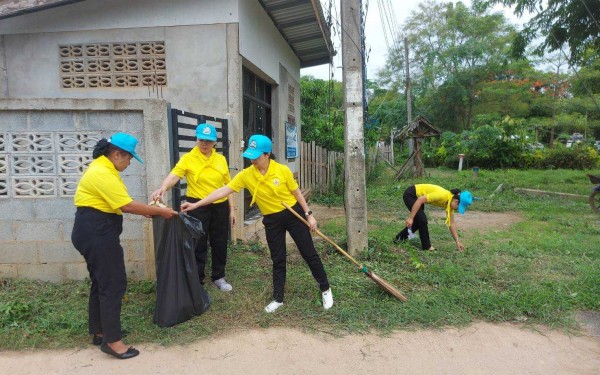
(101, 148)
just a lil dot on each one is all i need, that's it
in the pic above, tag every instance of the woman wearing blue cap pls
(101, 198)
(205, 171)
(416, 196)
(270, 184)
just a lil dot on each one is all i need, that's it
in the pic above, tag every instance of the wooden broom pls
(378, 280)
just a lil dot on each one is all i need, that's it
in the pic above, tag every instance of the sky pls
(375, 35)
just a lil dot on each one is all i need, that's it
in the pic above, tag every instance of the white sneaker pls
(223, 285)
(271, 307)
(327, 299)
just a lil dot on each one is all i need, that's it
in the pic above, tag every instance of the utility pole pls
(354, 142)
(411, 144)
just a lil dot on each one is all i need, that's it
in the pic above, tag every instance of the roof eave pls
(10, 9)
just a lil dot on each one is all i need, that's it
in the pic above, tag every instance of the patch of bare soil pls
(482, 220)
(478, 349)
(471, 219)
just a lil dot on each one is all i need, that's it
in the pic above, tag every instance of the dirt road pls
(478, 349)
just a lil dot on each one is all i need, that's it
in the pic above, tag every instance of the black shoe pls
(130, 353)
(97, 340)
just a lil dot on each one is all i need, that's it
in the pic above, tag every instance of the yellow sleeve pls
(180, 169)
(289, 177)
(238, 183)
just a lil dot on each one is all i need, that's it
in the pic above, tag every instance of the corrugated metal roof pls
(11, 8)
(300, 22)
(303, 26)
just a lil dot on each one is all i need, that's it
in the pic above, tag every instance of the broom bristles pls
(386, 286)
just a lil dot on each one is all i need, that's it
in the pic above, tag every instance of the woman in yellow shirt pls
(271, 183)
(416, 196)
(205, 171)
(101, 198)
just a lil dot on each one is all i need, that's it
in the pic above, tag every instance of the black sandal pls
(130, 353)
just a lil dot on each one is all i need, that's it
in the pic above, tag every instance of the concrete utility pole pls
(411, 144)
(354, 142)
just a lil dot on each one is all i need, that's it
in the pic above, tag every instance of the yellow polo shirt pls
(437, 196)
(102, 188)
(270, 190)
(203, 174)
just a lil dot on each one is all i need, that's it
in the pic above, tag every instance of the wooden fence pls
(318, 165)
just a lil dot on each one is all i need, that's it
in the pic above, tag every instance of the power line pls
(590, 13)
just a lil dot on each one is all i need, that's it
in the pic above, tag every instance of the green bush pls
(488, 148)
(578, 157)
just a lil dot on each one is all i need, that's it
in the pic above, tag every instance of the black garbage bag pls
(179, 294)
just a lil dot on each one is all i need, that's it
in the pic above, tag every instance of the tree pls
(454, 49)
(571, 22)
(322, 113)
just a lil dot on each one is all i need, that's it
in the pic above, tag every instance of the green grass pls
(540, 270)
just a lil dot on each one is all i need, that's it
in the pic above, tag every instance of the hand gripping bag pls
(179, 294)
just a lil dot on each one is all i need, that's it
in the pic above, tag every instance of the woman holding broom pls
(271, 183)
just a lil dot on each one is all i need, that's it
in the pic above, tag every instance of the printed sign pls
(291, 141)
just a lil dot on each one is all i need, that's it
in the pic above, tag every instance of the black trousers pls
(216, 225)
(420, 221)
(276, 226)
(96, 236)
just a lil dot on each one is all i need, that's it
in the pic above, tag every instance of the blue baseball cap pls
(206, 132)
(258, 144)
(125, 142)
(466, 199)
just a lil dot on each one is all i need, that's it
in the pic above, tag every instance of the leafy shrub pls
(583, 157)
(489, 148)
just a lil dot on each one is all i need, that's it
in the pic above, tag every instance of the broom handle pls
(323, 236)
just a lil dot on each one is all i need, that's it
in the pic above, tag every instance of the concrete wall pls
(45, 146)
(282, 111)
(196, 74)
(119, 14)
(262, 44)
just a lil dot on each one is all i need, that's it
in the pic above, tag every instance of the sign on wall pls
(291, 141)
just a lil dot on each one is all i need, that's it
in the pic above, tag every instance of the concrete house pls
(74, 71)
